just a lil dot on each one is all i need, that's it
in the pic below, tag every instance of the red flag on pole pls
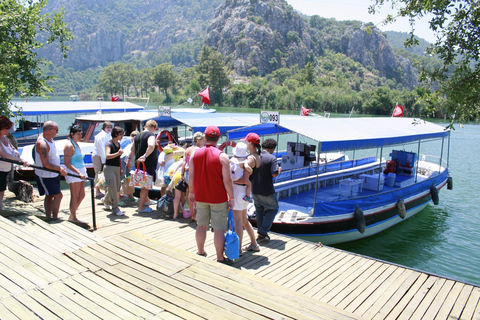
(205, 96)
(304, 111)
(398, 111)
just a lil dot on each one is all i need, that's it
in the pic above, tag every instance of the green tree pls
(456, 24)
(211, 71)
(20, 69)
(164, 77)
(116, 78)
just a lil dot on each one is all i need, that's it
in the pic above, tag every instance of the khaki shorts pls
(216, 213)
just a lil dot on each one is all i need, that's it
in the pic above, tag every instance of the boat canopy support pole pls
(380, 167)
(441, 155)
(316, 180)
(418, 159)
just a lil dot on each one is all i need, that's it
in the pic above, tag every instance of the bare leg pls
(176, 203)
(143, 199)
(77, 194)
(191, 206)
(238, 219)
(219, 242)
(57, 199)
(200, 237)
(47, 204)
(249, 229)
(2, 194)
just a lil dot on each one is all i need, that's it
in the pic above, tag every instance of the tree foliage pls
(212, 72)
(456, 24)
(20, 68)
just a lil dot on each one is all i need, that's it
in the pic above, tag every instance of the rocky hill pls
(254, 36)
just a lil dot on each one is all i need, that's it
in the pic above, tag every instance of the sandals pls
(250, 247)
(146, 210)
(204, 254)
(226, 261)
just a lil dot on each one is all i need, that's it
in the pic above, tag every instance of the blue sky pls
(358, 10)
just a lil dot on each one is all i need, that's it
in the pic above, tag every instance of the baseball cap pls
(212, 131)
(252, 137)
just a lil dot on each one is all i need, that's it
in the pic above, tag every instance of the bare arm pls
(42, 149)
(246, 174)
(227, 179)
(150, 148)
(191, 192)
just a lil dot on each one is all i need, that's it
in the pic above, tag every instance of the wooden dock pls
(144, 266)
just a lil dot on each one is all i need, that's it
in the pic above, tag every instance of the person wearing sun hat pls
(211, 189)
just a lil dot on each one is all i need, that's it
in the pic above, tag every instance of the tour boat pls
(386, 178)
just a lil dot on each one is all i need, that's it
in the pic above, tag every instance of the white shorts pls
(239, 192)
(70, 179)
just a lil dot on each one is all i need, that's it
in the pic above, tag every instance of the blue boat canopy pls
(224, 121)
(34, 108)
(340, 134)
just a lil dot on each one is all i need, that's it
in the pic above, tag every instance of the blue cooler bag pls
(232, 243)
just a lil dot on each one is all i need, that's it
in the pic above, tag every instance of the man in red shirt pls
(211, 188)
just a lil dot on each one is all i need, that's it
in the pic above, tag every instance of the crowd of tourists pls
(204, 182)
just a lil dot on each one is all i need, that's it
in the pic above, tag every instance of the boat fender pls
(434, 194)
(402, 211)
(159, 137)
(450, 183)
(227, 143)
(360, 220)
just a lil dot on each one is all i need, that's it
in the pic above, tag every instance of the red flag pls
(398, 111)
(205, 96)
(304, 111)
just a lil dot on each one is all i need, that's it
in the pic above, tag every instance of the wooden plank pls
(140, 303)
(53, 265)
(303, 274)
(112, 296)
(450, 301)
(109, 310)
(92, 309)
(148, 293)
(51, 305)
(251, 309)
(438, 300)
(322, 275)
(326, 281)
(7, 314)
(20, 310)
(36, 308)
(469, 312)
(331, 292)
(182, 296)
(20, 281)
(461, 302)
(411, 297)
(12, 266)
(286, 299)
(64, 299)
(381, 296)
(364, 291)
(363, 288)
(422, 299)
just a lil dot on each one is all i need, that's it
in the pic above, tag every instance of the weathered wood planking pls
(368, 288)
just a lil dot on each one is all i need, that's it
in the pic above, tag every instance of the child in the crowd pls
(238, 166)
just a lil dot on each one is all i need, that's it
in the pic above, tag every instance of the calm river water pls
(442, 239)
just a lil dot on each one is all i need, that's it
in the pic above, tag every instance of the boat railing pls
(311, 170)
(298, 180)
(434, 159)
